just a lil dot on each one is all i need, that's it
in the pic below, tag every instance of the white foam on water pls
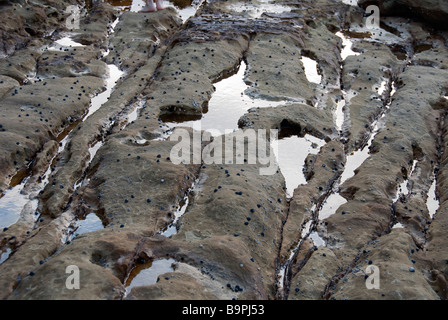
(311, 70)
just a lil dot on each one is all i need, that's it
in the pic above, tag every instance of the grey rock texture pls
(101, 191)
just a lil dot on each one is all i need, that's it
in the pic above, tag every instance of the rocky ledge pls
(93, 101)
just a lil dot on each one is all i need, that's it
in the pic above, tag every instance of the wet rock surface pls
(89, 119)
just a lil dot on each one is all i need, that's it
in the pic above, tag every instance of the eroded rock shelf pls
(89, 116)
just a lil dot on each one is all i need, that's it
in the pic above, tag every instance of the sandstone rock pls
(392, 255)
(223, 230)
(310, 282)
(38, 113)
